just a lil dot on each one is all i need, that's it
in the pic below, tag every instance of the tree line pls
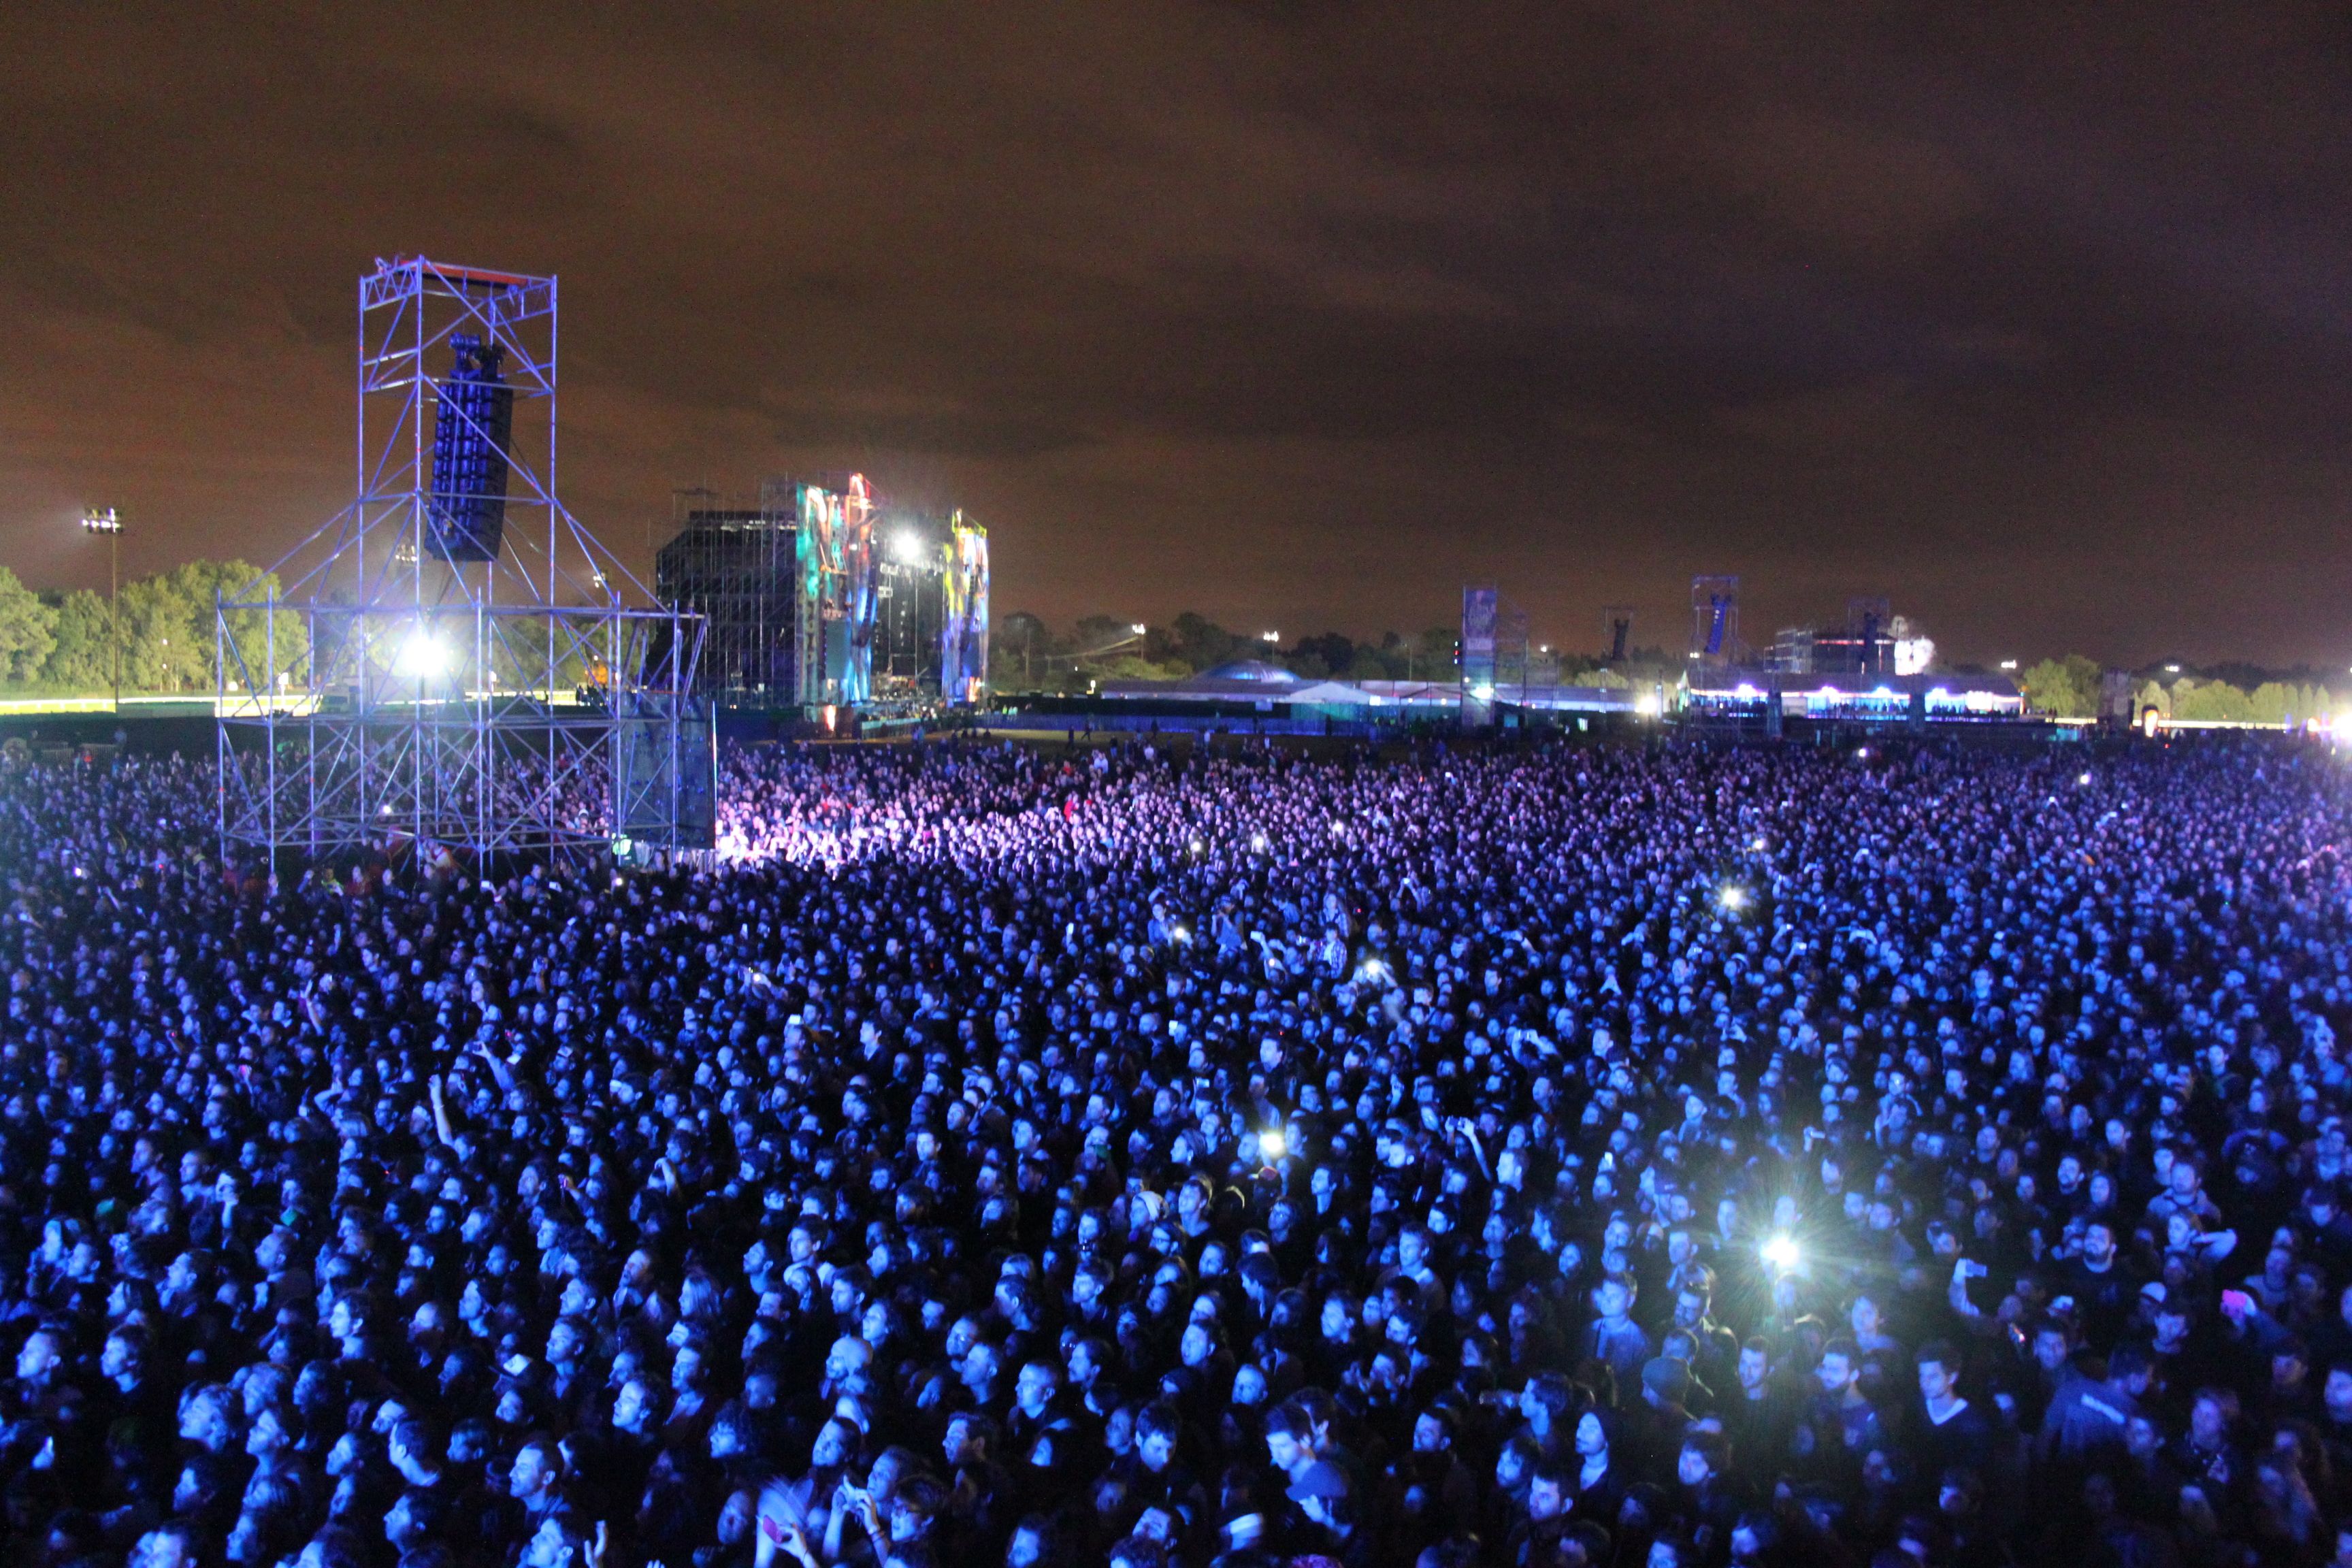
(63, 642)
(1025, 653)
(2069, 687)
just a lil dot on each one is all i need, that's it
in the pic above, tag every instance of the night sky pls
(2032, 317)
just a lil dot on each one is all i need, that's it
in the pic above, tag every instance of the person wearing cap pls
(1656, 1425)
(1332, 1520)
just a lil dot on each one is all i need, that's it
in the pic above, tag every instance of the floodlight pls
(1272, 1145)
(423, 655)
(906, 545)
(1138, 628)
(1269, 636)
(1781, 1253)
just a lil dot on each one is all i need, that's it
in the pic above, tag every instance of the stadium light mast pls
(105, 521)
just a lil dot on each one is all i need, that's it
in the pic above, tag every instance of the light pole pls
(102, 519)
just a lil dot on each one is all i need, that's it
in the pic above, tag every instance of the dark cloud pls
(2031, 316)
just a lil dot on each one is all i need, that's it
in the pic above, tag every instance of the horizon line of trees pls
(61, 642)
(58, 642)
(2070, 686)
(1025, 653)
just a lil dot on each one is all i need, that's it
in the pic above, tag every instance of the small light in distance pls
(1781, 1253)
(1257, 842)
(2082, 778)
(1197, 847)
(1272, 1145)
(1861, 754)
(1138, 628)
(2009, 664)
(1269, 636)
(1733, 898)
(1760, 845)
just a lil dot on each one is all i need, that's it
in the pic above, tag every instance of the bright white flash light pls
(1272, 1145)
(1257, 842)
(1780, 1252)
(1732, 898)
(423, 656)
(2084, 779)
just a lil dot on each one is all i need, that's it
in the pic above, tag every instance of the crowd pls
(1588, 1156)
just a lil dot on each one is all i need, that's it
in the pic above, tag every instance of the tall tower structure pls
(453, 659)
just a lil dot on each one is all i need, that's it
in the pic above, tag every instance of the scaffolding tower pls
(1715, 620)
(1495, 653)
(1616, 634)
(739, 569)
(454, 663)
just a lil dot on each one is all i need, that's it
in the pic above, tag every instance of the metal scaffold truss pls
(453, 660)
